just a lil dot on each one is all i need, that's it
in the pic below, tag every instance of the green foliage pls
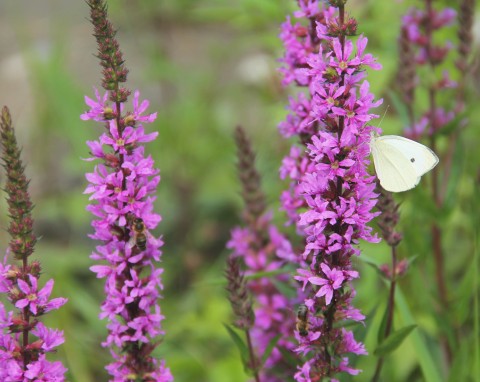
(393, 341)
(240, 344)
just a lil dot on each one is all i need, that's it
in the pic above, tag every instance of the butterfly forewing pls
(420, 156)
(394, 169)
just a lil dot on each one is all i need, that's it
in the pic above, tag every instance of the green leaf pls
(383, 325)
(271, 345)
(241, 346)
(372, 263)
(429, 366)
(393, 341)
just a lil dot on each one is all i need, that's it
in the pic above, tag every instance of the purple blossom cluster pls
(122, 191)
(301, 44)
(33, 302)
(24, 340)
(272, 313)
(419, 27)
(337, 191)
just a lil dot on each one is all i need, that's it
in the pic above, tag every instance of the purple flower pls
(331, 194)
(333, 280)
(271, 310)
(122, 194)
(97, 108)
(37, 301)
(24, 340)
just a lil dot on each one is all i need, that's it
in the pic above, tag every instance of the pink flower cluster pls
(331, 178)
(33, 302)
(301, 45)
(122, 193)
(273, 310)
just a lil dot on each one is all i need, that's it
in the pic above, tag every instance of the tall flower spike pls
(238, 295)
(389, 217)
(262, 248)
(24, 340)
(250, 178)
(122, 189)
(333, 181)
(465, 43)
(422, 26)
(19, 205)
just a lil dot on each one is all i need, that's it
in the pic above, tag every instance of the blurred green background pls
(206, 66)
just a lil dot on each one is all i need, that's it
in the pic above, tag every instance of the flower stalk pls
(258, 247)
(420, 27)
(122, 189)
(242, 308)
(335, 186)
(24, 340)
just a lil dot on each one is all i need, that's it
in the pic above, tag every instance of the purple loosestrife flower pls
(337, 191)
(262, 248)
(122, 189)
(24, 340)
(300, 61)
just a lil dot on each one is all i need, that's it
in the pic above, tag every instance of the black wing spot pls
(412, 160)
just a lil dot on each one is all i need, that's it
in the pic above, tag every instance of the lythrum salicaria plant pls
(122, 189)
(338, 191)
(24, 340)
(260, 307)
(422, 73)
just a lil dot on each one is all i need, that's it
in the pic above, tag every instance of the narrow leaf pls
(393, 341)
(429, 366)
(383, 325)
(242, 347)
(271, 345)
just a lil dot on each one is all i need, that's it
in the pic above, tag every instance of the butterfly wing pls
(422, 157)
(394, 169)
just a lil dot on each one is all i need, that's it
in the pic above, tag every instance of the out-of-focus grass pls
(207, 65)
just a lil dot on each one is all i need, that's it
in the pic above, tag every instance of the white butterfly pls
(400, 162)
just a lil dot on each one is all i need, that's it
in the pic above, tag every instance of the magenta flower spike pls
(122, 191)
(260, 248)
(24, 340)
(331, 195)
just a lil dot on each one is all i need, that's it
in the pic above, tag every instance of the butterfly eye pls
(412, 160)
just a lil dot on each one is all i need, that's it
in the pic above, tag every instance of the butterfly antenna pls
(384, 114)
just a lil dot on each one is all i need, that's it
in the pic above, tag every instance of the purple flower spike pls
(24, 340)
(122, 193)
(331, 194)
